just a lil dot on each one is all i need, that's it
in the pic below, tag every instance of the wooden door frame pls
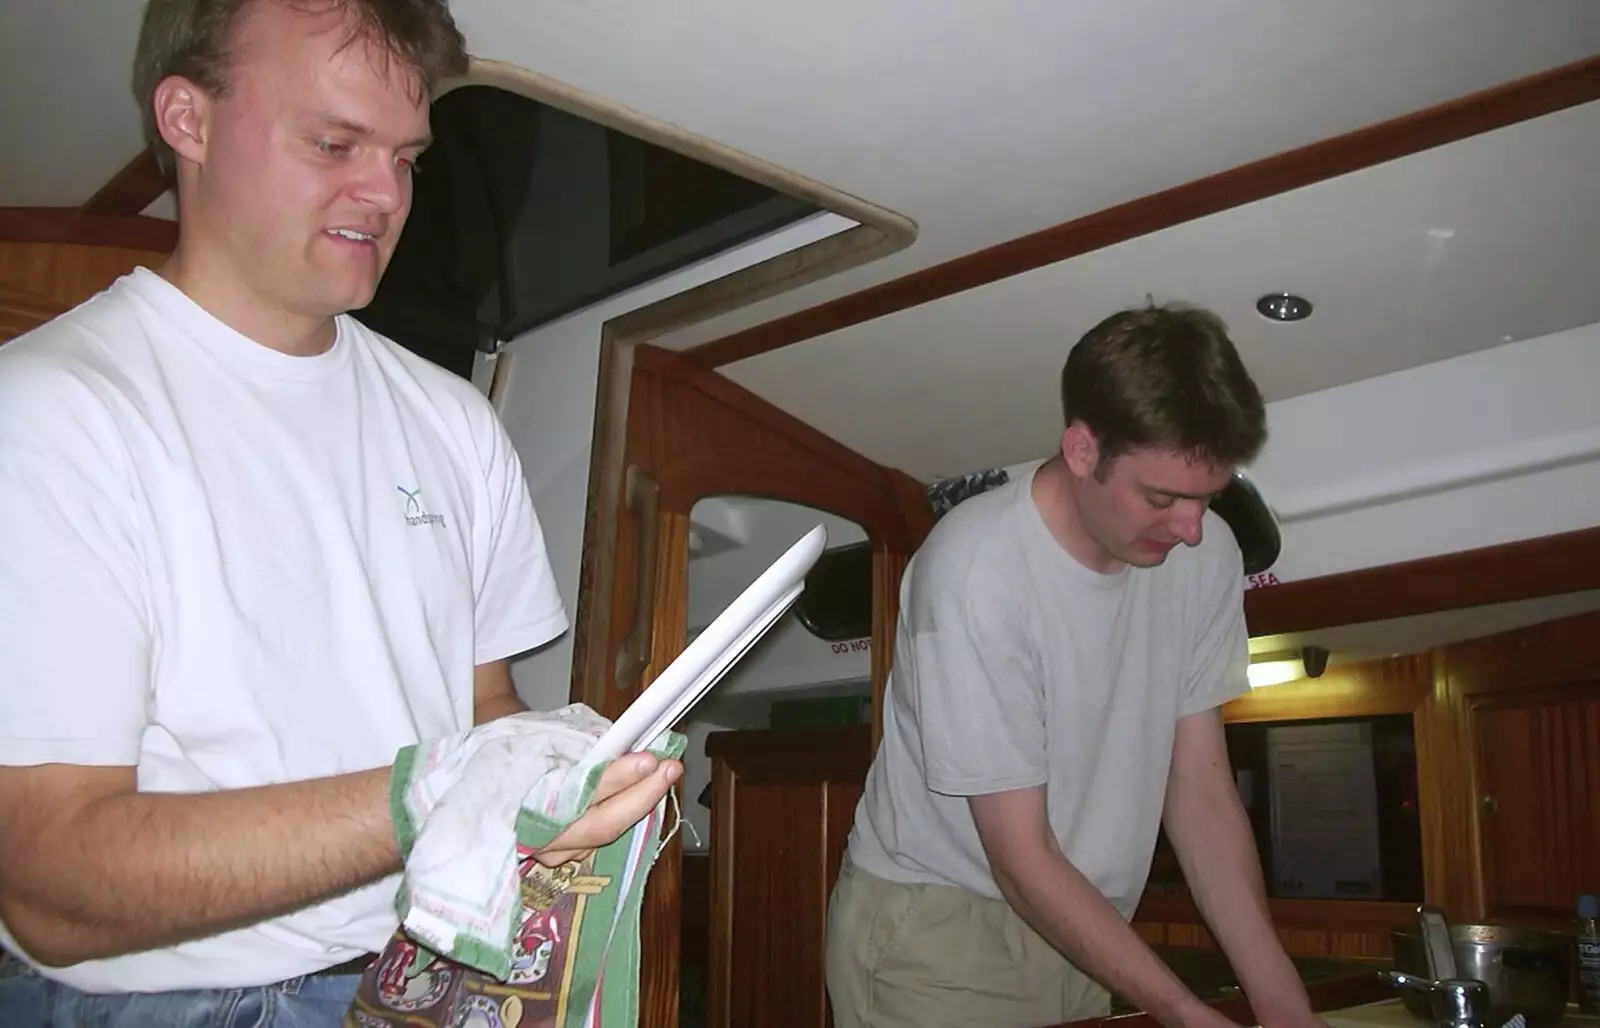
(665, 453)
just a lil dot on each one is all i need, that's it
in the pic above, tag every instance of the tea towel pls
(470, 810)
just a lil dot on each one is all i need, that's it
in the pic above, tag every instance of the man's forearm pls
(1065, 907)
(1217, 851)
(137, 870)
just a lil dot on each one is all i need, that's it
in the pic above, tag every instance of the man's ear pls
(182, 110)
(1080, 449)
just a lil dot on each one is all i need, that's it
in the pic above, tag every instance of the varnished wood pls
(63, 275)
(22, 310)
(1345, 928)
(1397, 685)
(1450, 872)
(1307, 928)
(661, 916)
(1342, 928)
(887, 569)
(134, 187)
(1527, 723)
(1485, 111)
(1334, 994)
(71, 226)
(695, 890)
(698, 434)
(781, 813)
(1537, 758)
(1546, 566)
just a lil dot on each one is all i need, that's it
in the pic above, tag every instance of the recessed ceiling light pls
(1284, 307)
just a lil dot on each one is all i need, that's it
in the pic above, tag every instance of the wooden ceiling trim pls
(1523, 99)
(138, 185)
(69, 225)
(1546, 566)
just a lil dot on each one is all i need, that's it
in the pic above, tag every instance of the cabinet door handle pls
(1489, 805)
(644, 499)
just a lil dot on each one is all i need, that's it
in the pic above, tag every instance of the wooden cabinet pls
(1508, 760)
(41, 280)
(690, 433)
(783, 803)
(1529, 729)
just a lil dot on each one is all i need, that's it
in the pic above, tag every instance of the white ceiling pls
(982, 122)
(1442, 253)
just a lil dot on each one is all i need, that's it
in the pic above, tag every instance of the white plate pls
(665, 701)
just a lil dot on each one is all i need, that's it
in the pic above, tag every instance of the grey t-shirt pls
(1016, 666)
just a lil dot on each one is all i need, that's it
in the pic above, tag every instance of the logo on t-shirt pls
(415, 513)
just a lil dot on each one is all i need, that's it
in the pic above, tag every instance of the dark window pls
(523, 213)
(837, 602)
(1393, 756)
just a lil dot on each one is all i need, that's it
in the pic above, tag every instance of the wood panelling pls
(692, 433)
(782, 808)
(1531, 97)
(661, 913)
(1444, 799)
(63, 275)
(71, 226)
(1547, 566)
(1527, 723)
(695, 891)
(1397, 685)
(1334, 994)
(135, 187)
(1538, 777)
(22, 311)
(1508, 756)
(1307, 928)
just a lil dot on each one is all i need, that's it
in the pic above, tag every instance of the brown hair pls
(194, 39)
(1164, 378)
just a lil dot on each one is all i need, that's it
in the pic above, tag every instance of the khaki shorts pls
(934, 956)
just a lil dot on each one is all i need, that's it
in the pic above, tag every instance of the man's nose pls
(383, 184)
(1186, 523)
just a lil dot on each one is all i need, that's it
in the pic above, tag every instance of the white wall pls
(1478, 450)
(1483, 449)
(788, 656)
(548, 410)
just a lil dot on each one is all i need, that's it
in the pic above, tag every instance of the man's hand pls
(629, 789)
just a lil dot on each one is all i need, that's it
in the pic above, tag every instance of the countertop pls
(1390, 1013)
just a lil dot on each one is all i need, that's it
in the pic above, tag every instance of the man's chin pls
(1146, 556)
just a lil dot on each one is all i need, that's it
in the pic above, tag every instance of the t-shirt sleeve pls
(1219, 671)
(75, 639)
(975, 686)
(517, 606)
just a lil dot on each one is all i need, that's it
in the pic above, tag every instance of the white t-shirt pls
(1016, 666)
(234, 567)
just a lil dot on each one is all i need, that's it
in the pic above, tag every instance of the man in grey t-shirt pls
(1059, 662)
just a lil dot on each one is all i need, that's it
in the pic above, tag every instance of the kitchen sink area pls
(1210, 976)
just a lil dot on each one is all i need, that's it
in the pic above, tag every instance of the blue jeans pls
(30, 1000)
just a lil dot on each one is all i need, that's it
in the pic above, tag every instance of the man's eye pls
(331, 148)
(1159, 502)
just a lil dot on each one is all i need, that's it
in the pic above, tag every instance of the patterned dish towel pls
(488, 935)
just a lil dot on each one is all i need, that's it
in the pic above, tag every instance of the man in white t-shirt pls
(251, 550)
(1059, 662)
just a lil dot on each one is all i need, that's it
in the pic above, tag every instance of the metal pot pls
(1524, 968)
